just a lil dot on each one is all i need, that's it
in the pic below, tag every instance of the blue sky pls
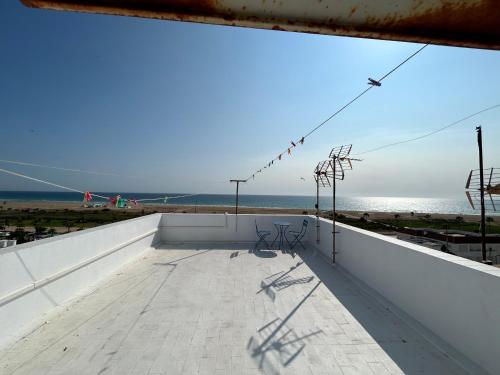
(180, 107)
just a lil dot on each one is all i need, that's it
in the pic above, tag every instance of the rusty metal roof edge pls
(459, 39)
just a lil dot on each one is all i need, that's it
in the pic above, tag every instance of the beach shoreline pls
(58, 217)
(216, 209)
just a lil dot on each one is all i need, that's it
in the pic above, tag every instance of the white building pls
(461, 243)
(6, 243)
(188, 294)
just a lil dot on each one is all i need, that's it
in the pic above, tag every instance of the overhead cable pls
(165, 198)
(430, 133)
(58, 168)
(373, 83)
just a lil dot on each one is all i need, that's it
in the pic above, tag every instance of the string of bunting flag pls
(293, 144)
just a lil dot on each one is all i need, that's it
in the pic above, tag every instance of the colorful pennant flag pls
(121, 202)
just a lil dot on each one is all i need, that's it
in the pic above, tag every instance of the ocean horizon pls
(370, 204)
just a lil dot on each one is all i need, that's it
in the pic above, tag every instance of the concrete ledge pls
(194, 221)
(40, 283)
(39, 276)
(455, 299)
(220, 227)
(452, 299)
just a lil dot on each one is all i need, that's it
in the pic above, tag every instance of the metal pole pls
(237, 192)
(317, 208)
(481, 181)
(333, 212)
(237, 195)
(447, 248)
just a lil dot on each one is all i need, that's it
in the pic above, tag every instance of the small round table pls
(281, 226)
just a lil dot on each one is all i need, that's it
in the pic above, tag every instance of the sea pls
(368, 204)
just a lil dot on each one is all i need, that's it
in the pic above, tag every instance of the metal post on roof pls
(476, 189)
(317, 210)
(237, 192)
(322, 178)
(340, 162)
(332, 169)
(481, 190)
(237, 199)
(333, 211)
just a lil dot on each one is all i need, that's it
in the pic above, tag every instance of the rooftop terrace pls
(217, 306)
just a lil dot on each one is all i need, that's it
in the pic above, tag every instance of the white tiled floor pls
(225, 311)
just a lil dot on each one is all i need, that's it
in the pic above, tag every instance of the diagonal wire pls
(82, 192)
(58, 168)
(47, 182)
(430, 133)
(346, 105)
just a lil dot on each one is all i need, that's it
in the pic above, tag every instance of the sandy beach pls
(168, 208)
(77, 206)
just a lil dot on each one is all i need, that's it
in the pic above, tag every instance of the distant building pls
(7, 243)
(461, 243)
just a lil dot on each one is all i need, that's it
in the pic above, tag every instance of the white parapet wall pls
(455, 299)
(37, 277)
(221, 227)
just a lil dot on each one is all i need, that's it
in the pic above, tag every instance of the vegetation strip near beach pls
(383, 221)
(50, 218)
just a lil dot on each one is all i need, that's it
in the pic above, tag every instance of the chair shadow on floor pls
(263, 253)
(277, 343)
(281, 280)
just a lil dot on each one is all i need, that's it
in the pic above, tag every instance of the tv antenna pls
(322, 175)
(476, 187)
(326, 174)
(491, 189)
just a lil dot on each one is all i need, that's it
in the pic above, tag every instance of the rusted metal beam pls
(464, 23)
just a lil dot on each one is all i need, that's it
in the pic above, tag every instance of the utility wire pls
(430, 133)
(168, 198)
(47, 182)
(58, 168)
(82, 192)
(38, 180)
(403, 62)
(344, 106)
(338, 111)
